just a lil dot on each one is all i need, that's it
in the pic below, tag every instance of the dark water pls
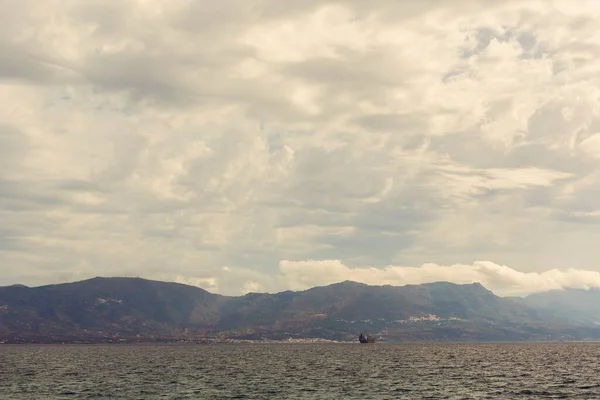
(301, 371)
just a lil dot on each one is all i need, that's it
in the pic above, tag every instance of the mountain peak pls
(349, 283)
(136, 306)
(17, 285)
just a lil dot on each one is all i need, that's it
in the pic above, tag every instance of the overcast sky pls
(264, 145)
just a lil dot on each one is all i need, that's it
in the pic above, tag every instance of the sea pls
(301, 371)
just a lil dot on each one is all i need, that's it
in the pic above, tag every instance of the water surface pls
(301, 371)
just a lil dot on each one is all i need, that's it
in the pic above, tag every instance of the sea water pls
(301, 371)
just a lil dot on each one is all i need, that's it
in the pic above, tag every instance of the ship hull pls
(366, 339)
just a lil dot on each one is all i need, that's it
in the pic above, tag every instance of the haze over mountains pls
(139, 309)
(574, 305)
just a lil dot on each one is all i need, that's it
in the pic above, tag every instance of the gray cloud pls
(206, 143)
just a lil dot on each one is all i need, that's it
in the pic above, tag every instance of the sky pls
(262, 145)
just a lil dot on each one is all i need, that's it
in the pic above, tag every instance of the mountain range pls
(126, 309)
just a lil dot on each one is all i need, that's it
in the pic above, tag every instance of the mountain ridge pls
(125, 307)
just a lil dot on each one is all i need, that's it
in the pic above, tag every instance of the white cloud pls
(591, 145)
(502, 280)
(168, 140)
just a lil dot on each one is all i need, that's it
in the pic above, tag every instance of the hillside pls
(127, 306)
(571, 305)
(130, 308)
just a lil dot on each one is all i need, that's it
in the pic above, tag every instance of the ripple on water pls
(302, 371)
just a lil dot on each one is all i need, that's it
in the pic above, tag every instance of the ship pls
(366, 339)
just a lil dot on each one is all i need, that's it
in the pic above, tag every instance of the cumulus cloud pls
(301, 275)
(168, 140)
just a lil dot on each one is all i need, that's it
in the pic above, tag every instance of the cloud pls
(168, 140)
(301, 275)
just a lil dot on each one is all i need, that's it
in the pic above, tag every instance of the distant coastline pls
(176, 342)
(134, 310)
